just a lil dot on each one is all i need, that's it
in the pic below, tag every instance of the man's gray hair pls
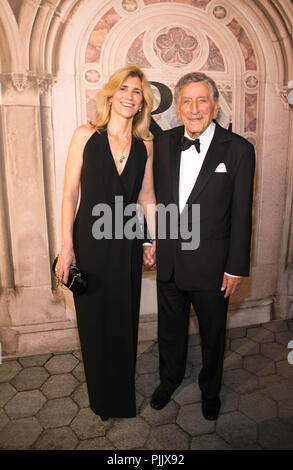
(194, 77)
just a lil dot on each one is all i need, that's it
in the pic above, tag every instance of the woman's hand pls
(66, 258)
(149, 255)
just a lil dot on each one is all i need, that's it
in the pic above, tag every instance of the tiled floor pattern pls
(44, 403)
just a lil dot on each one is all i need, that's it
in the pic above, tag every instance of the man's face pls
(196, 108)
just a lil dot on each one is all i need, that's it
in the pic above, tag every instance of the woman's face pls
(128, 99)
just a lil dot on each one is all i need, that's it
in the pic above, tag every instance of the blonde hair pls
(142, 119)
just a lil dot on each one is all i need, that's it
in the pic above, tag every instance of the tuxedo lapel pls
(214, 156)
(175, 154)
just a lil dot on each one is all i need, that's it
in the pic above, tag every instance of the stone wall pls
(54, 56)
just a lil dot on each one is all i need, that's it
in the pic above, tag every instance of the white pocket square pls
(221, 168)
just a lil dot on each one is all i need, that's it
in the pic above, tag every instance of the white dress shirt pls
(190, 165)
(191, 162)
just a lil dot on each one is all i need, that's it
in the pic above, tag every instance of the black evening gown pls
(107, 314)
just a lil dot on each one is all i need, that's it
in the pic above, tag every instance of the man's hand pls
(149, 255)
(230, 284)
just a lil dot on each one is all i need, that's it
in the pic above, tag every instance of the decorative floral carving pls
(251, 81)
(23, 82)
(129, 5)
(92, 76)
(219, 12)
(45, 84)
(175, 46)
(19, 81)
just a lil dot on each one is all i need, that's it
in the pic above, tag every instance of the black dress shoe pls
(211, 408)
(161, 397)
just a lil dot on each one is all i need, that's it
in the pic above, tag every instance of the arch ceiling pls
(32, 36)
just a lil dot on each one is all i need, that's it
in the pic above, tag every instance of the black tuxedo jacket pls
(225, 200)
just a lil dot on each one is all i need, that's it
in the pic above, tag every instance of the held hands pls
(149, 255)
(230, 284)
(66, 258)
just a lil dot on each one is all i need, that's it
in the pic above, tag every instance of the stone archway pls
(47, 87)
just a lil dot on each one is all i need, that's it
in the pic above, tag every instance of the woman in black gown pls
(111, 162)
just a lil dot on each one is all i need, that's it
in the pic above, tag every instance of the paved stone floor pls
(44, 403)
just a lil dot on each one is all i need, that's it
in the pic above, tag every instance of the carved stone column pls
(284, 297)
(33, 317)
(45, 84)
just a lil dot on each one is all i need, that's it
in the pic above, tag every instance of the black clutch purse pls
(77, 281)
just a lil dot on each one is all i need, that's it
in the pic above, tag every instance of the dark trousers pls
(173, 320)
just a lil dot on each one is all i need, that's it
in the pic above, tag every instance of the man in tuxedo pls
(200, 163)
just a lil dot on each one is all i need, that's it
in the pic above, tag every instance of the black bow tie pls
(186, 143)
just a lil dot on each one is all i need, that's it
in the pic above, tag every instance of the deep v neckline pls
(112, 157)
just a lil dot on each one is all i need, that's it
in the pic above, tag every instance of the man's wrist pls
(232, 275)
(149, 242)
